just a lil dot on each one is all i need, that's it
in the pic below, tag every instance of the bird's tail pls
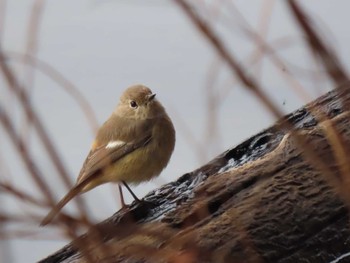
(57, 208)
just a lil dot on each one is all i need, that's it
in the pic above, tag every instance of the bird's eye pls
(133, 104)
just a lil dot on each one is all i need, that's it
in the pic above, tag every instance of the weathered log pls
(280, 196)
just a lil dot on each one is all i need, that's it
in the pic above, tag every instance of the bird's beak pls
(151, 97)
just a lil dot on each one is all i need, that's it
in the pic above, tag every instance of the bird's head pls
(138, 102)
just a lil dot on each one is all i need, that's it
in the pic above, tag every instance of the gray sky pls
(105, 46)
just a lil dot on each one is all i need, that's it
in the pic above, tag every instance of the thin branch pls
(328, 58)
(248, 81)
(271, 53)
(19, 194)
(58, 77)
(31, 49)
(22, 149)
(14, 86)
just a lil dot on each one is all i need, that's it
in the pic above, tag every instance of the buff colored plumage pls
(132, 146)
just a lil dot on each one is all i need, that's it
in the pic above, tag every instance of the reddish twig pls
(328, 58)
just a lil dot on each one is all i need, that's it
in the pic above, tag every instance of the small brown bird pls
(132, 146)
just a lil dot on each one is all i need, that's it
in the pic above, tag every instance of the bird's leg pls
(131, 192)
(121, 196)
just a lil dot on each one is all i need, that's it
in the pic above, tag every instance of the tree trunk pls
(280, 196)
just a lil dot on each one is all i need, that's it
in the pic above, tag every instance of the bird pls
(134, 145)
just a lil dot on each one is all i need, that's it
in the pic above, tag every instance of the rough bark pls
(280, 196)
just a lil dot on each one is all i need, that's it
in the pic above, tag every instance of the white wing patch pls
(113, 144)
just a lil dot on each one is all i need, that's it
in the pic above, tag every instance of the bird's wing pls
(97, 159)
(105, 155)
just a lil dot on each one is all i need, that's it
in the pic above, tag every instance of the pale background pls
(105, 46)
